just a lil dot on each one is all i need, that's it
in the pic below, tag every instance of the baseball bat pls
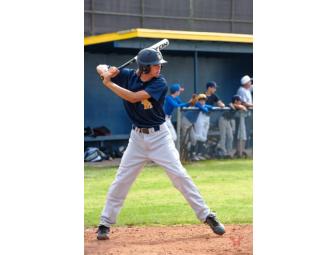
(158, 46)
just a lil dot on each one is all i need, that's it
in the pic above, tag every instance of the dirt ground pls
(191, 239)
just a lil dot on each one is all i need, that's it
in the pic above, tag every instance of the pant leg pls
(206, 126)
(198, 126)
(192, 136)
(131, 165)
(241, 134)
(202, 127)
(171, 128)
(163, 152)
(222, 133)
(185, 124)
(242, 128)
(229, 135)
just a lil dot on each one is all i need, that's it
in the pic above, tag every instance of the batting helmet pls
(148, 57)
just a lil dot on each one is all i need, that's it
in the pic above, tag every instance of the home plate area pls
(186, 239)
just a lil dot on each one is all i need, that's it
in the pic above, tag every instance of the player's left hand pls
(193, 100)
(106, 72)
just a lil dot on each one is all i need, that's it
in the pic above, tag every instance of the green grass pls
(226, 187)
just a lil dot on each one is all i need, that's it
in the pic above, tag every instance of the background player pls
(171, 102)
(198, 122)
(237, 104)
(245, 91)
(202, 125)
(212, 98)
(143, 92)
(226, 124)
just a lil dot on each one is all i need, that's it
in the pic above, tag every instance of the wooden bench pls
(106, 138)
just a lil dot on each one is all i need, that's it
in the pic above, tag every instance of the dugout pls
(193, 59)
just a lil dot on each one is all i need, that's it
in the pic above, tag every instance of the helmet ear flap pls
(144, 69)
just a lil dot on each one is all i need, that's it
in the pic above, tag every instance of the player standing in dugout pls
(143, 92)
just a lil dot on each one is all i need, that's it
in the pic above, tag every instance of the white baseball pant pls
(171, 128)
(159, 147)
(202, 127)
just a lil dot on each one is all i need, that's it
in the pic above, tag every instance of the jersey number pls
(146, 104)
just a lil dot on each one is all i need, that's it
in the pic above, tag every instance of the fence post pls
(242, 135)
(241, 132)
(178, 129)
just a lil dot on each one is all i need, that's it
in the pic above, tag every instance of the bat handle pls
(122, 66)
(127, 63)
(101, 77)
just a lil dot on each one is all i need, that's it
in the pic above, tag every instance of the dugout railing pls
(230, 134)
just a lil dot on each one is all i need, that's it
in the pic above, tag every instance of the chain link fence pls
(226, 16)
(221, 133)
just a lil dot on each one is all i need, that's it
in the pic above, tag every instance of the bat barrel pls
(160, 45)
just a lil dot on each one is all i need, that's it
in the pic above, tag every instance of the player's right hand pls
(113, 71)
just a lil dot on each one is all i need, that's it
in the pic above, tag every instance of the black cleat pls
(103, 233)
(214, 224)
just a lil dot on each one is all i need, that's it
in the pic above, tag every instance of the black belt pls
(146, 130)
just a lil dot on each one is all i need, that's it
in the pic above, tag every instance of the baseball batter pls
(143, 92)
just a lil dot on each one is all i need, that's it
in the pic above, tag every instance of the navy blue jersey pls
(147, 113)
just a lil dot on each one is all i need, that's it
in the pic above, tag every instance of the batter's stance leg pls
(162, 151)
(131, 165)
